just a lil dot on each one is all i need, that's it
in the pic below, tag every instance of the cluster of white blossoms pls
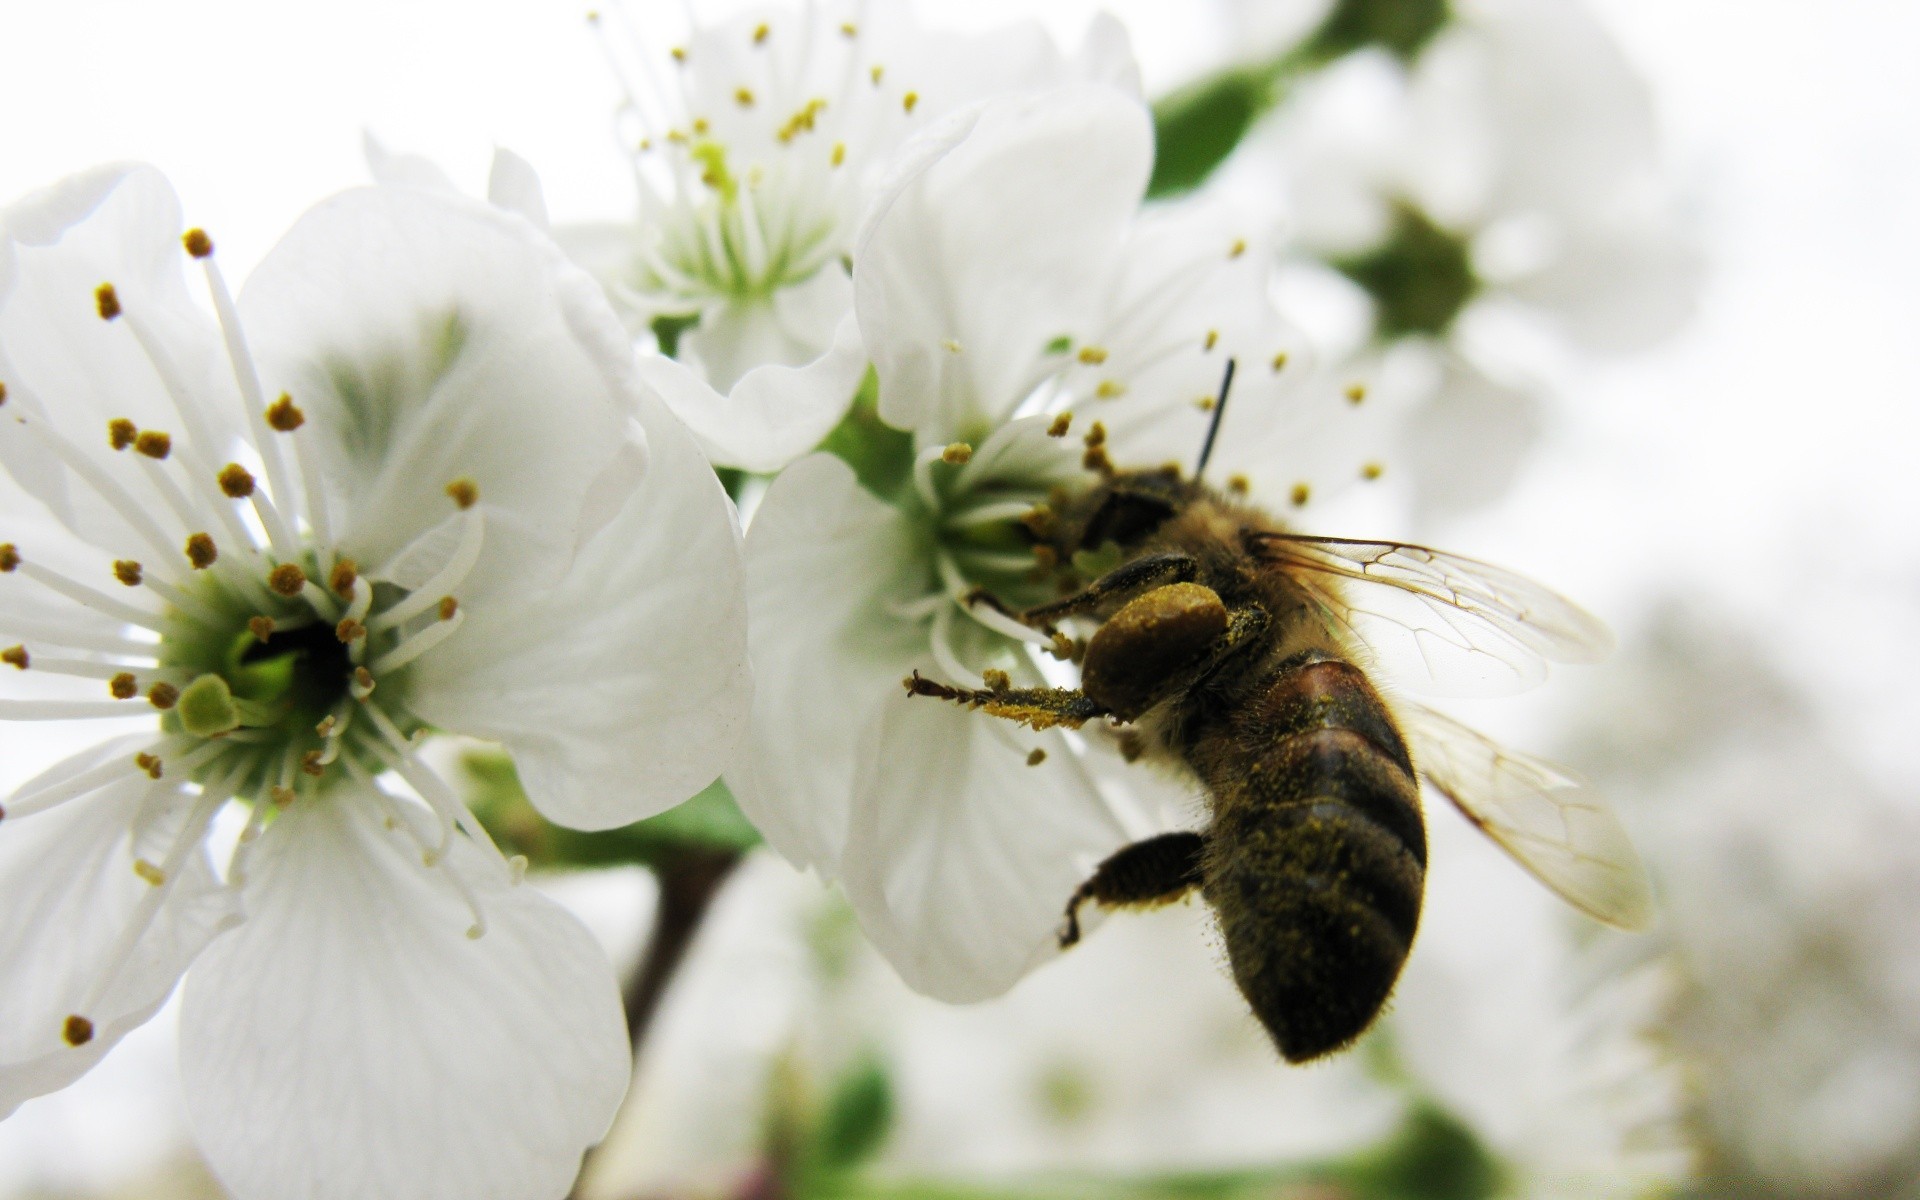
(407, 482)
(440, 470)
(1491, 173)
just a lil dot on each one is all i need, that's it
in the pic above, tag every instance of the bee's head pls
(1125, 508)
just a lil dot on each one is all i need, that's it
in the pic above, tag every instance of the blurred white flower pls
(1001, 277)
(1135, 1053)
(459, 513)
(1545, 1045)
(1791, 882)
(758, 142)
(1510, 165)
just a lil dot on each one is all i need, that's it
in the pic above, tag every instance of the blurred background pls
(1658, 262)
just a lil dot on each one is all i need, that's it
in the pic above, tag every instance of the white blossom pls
(1514, 161)
(758, 141)
(406, 483)
(1003, 276)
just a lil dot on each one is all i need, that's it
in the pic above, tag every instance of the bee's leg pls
(1037, 708)
(1158, 870)
(1121, 583)
(1162, 643)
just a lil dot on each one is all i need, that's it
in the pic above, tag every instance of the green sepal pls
(709, 821)
(880, 455)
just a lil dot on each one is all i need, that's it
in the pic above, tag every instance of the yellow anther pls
(147, 871)
(284, 416)
(121, 433)
(153, 444)
(349, 630)
(1110, 389)
(1239, 485)
(1238, 248)
(124, 686)
(950, 346)
(1203, 403)
(1372, 471)
(1300, 495)
(679, 54)
(1060, 425)
(197, 242)
(464, 492)
(743, 97)
(839, 153)
(9, 557)
(1280, 361)
(260, 627)
(849, 29)
(448, 607)
(201, 552)
(163, 696)
(876, 72)
(281, 796)
(128, 572)
(908, 101)
(106, 302)
(956, 454)
(344, 575)
(1356, 393)
(760, 33)
(150, 764)
(1093, 356)
(700, 125)
(1037, 757)
(1213, 339)
(287, 580)
(15, 656)
(77, 1031)
(996, 679)
(236, 481)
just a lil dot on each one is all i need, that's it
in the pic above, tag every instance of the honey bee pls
(1240, 648)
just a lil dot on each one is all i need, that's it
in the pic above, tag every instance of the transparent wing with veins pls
(1553, 825)
(1438, 622)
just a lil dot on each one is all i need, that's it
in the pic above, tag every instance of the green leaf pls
(709, 821)
(858, 1116)
(1432, 1157)
(1402, 27)
(880, 455)
(1198, 126)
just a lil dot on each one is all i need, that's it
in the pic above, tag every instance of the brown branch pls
(689, 881)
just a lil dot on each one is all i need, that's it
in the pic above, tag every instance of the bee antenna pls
(1213, 426)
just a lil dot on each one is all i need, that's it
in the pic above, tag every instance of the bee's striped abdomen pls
(1317, 852)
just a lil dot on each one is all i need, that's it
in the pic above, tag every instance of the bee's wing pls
(1555, 826)
(1461, 626)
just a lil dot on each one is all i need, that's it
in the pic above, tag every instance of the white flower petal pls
(824, 561)
(67, 875)
(775, 413)
(431, 339)
(961, 857)
(790, 328)
(984, 249)
(74, 371)
(514, 185)
(352, 1041)
(624, 689)
(1464, 446)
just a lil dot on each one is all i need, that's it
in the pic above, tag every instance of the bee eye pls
(1125, 518)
